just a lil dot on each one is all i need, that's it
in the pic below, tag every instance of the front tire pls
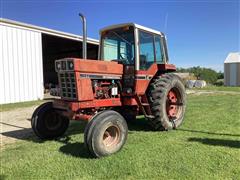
(105, 134)
(47, 123)
(167, 101)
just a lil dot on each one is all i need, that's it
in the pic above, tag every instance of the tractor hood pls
(85, 66)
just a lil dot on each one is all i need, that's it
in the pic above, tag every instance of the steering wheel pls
(122, 58)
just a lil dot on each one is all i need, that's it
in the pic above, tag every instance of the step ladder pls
(143, 104)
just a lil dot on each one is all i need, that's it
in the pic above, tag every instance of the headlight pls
(58, 66)
(70, 65)
(63, 65)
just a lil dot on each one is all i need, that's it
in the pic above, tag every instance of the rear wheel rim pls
(111, 137)
(174, 104)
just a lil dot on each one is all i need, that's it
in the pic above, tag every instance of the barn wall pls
(21, 71)
(226, 74)
(238, 74)
(232, 74)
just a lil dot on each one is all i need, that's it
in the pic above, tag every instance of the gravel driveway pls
(15, 125)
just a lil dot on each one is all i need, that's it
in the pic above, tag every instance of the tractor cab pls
(134, 45)
(141, 50)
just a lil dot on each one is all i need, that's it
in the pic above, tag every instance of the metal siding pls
(233, 74)
(2, 92)
(226, 74)
(21, 69)
(238, 74)
(20, 65)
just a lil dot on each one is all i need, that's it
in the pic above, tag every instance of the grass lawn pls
(221, 88)
(206, 146)
(11, 106)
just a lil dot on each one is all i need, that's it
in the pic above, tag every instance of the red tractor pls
(132, 77)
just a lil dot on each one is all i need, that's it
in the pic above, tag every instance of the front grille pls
(68, 85)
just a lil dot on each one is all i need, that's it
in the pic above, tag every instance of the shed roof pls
(9, 22)
(233, 57)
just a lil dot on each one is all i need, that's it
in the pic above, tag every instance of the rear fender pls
(144, 77)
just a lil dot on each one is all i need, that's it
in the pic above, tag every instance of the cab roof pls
(131, 24)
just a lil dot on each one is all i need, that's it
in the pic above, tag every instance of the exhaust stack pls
(84, 31)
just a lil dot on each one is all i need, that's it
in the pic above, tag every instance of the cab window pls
(158, 49)
(146, 50)
(118, 44)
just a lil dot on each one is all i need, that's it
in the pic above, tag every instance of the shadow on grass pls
(76, 149)
(28, 134)
(207, 132)
(22, 134)
(12, 125)
(2, 177)
(217, 142)
(140, 124)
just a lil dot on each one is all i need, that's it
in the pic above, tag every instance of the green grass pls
(11, 106)
(221, 88)
(206, 146)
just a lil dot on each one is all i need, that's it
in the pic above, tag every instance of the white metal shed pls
(27, 58)
(232, 69)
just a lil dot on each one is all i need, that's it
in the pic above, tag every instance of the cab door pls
(150, 54)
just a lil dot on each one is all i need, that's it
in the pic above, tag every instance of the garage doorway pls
(53, 48)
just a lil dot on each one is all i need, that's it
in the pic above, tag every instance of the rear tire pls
(167, 100)
(105, 134)
(47, 123)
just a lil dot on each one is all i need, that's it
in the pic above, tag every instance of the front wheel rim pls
(52, 121)
(111, 137)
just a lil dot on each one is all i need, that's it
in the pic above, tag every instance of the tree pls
(220, 75)
(206, 74)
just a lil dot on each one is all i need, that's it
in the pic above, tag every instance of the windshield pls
(118, 44)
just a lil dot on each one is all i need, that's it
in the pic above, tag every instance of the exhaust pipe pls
(84, 30)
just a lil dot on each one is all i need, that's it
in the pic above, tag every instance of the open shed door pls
(54, 47)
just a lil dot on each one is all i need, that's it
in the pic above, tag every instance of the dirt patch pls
(16, 125)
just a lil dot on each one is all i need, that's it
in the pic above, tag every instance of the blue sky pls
(198, 32)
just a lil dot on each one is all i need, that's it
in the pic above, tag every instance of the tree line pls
(207, 74)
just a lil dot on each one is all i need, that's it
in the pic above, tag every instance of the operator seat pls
(143, 61)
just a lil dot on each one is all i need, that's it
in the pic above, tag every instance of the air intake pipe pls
(84, 31)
